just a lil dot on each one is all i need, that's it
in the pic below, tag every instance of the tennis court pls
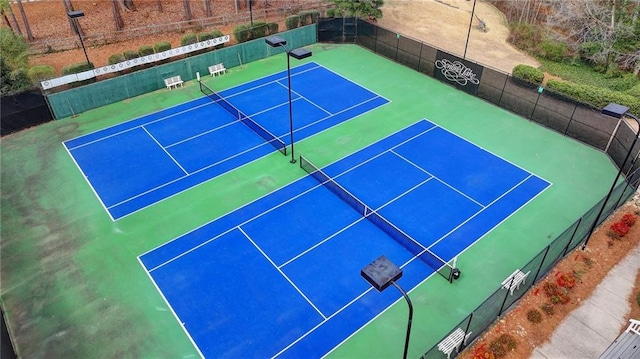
(263, 259)
(137, 163)
(279, 277)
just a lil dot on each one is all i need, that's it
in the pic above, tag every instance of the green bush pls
(292, 22)
(309, 17)
(589, 49)
(503, 345)
(595, 96)
(215, 34)
(145, 50)
(553, 50)
(634, 91)
(528, 74)
(204, 36)
(162, 46)
(272, 28)
(76, 68)
(241, 33)
(115, 58)
(188, 39)
(331, 12)
(638, 299)
(40, 73)
(130, 54)
(258, 30)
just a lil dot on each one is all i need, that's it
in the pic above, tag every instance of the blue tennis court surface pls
(280, 277)
(140, 162)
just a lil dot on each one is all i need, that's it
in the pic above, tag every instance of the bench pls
(627, 345)
(453, 341)
(514, 280)
(217, 69)
(173, 82)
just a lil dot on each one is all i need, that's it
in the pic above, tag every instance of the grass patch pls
(582, 73)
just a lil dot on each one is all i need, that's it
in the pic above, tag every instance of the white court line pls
(165, 151)
(283, 274)
(311, 102)
(182, 324)
(437, 178)
(234, 122)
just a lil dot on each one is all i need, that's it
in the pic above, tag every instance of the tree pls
(24, 20)
(14, 62)
(187, 9)
(361, 8)
(605, 31)
(117, 19)
(5, 9)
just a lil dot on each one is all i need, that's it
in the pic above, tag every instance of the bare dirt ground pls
(445, 24)
(442, 23)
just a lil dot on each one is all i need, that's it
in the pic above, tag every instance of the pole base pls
(293, 160)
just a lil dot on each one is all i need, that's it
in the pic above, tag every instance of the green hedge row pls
(528, 74)
(246, 32)
(594, 96)
(302, 19)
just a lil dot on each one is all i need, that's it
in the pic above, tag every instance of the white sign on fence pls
(47, 84)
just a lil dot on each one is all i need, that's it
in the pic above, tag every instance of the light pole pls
(618, 111)
(74, 15)
(381, 273)
(298, 54)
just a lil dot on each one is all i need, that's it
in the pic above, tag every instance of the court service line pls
(233, 122)
(134, 127)
(436, 177)
(274, 107)
(301, 96)
(322, 242)
(274, 81)
(353, 82)
(482, 210)
(228, 230)
(165, 151)
(283, 274)
(337, 113)
(324, 321)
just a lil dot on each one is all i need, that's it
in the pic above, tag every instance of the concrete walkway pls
(589, 330)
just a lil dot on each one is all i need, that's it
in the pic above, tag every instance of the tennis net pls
(256, 127)
(414, 247)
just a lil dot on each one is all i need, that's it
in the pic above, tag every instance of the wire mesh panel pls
(553, 113)
(452, 342)
(519, 97)
(591, 127)
(492, 85)
(409, 52)
(428, 56)
(622, 141)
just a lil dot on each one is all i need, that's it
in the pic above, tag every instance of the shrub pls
(547, 308)
(628, 219)
(130, 54)
(534, 316)
(76, 68)
(272, 28)
(566, 280)
(309, 17)
(331, 12)
(241, 33)
(619, 230)
(292, 22)
(115, 58)
(638, 299)
(634, 91)
(188, 39)
(40, 73)
(204, 36)
(553, 50)
(145, 50)
(162, 46)
(503, 345)
(528, 74)
(259, 30)
(594, 96)
(216, 34)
